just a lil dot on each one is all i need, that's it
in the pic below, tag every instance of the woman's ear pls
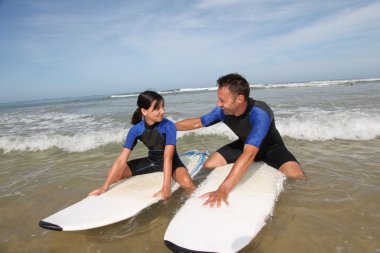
(144, 112)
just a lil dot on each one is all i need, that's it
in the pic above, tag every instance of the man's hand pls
(237, 171)
(215, 197)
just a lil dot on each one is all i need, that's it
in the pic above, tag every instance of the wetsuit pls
(155, 138)
(256, 126)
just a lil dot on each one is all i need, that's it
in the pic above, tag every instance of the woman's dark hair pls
(236, 84)
(145, 101)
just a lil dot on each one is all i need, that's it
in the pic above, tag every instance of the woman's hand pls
(98, 191)
(163, 194)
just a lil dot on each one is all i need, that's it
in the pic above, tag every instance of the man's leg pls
(282, 159)
(227, 154)
(214, 161)
(292, 170)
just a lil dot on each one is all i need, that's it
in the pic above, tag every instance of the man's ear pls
(240, 99)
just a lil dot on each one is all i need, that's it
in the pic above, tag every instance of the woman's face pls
(152, 114)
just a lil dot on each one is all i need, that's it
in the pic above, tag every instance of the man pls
(253, 122)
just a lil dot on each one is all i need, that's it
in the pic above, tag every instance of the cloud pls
(348, 24)
(257, 23)
(208, 4)
(140, 41)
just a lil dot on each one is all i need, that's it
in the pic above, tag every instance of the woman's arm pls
(115, 172)
(168, 161)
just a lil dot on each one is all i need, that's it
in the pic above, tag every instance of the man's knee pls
(293, 170)
(215, 160)
(208, 165)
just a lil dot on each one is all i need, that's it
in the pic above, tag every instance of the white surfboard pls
(198, 228)
(123, 200)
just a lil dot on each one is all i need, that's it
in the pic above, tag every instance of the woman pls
(158, 134)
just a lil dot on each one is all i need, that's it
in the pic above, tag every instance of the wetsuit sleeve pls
(260, 121)
(131, 139)
(171, 133)
(213, 117)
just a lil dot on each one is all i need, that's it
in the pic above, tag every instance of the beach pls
(54, 152)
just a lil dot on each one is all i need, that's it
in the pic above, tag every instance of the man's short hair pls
(236, 84)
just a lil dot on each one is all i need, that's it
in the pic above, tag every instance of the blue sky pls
(54, 49)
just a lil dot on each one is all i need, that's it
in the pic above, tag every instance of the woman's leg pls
(181, 175)
(124, 173)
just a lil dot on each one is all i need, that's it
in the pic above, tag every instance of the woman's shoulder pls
(167, 123)
(138, 127)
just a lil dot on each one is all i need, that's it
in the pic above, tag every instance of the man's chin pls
(225, 112)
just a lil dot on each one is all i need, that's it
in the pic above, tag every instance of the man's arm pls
(237, 171)
(189, 124)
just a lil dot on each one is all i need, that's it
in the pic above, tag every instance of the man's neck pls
(241, 110)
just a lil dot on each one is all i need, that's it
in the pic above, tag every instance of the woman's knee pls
(183, 178)
(188, 184)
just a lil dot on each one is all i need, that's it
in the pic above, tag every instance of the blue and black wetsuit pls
(256, 126)
(155, 138)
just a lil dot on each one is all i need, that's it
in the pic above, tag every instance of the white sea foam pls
(310, 125)
(29, 123)
(264, 86)
(219, 129)
(313, 126)
(197, 89)
(314, 83)
(72, 132)
(76, 143)
(324, 125)
(125, 95)
(36, 131)
(183, 90)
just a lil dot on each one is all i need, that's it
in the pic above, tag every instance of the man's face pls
(227, 101)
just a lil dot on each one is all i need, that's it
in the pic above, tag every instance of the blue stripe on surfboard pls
(203, 159)
(188, 153)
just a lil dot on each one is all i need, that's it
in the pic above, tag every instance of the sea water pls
(54, 152)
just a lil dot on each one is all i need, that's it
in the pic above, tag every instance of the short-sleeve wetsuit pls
(155, 138)
(256, 126)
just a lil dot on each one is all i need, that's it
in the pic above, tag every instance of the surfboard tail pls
(177, 249)
(50, 226)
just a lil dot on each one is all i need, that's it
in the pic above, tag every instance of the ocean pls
(54, 152)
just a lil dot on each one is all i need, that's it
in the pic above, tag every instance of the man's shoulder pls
(260, 106)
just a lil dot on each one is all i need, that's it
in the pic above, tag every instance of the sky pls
(57, 49)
